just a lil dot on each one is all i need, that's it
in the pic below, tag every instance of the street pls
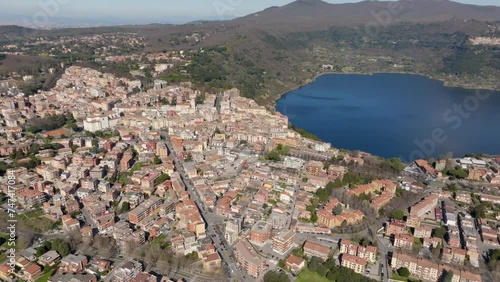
(217, 238)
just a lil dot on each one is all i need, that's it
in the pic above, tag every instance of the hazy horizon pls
(115, 12)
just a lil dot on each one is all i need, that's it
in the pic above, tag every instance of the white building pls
(233, 229)
(100, 123)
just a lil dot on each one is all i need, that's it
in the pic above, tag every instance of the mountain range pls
(316, 12)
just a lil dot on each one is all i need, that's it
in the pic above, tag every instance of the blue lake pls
(396, 115)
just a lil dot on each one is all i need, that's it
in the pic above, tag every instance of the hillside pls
(283, 47)
(277, 49)
(313, 12)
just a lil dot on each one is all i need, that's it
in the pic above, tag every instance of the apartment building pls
(421, 268)
(413, 221)
(368, 253)
(454, 255)
(283, 241)
(248, 259)
(428, 270)
(233, 229)
(395, 227)
(404, 241)
(260, 232)
(314, 168)
(424, 206)
(127, 271)
(29, 198)
(145, 209)
(312, 249)
(423, 231)
(353, 262)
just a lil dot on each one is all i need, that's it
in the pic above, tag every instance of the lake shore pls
(409, 116)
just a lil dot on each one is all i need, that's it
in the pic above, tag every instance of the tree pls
(156, 160)
(436, 251)
(316, 264)
(273, 276)
(332, 276)
(494, 260)
(125, 206)
(447, 276)
(404, 272)
(337, 210)
(392, 165)
(61, 247)
(478, 211)
(200, 99)
(439, 232)
(47, 246)
(398, 214)
(364, 242)
(34, 149)
(162, 178)
(330, 263)
(192, 256)
(282, 263)
(365, 197)
(314, 216)
(273, 156)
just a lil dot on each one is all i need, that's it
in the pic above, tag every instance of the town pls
(115, 182)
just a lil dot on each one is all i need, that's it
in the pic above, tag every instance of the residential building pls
(312, 249)
(368, 253)
(295, 264)
(424, 206)
(249, 260)
(424, 269)
(283, 241)
(353, 262)
(233, 229)
(211, 262)
(413, 221)
(72, 277)
(428, 270)
(454, 255)
(145, 209)
(29, 198)
(404, 241)
(423, 231)
(395, 227)
(32, 272)
(49, 258)
(144, 277)
(73, 263)
(127, 271)
(260, 232)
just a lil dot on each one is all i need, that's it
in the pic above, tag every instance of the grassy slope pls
(308, 276)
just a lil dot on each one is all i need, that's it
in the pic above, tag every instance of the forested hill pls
(277, 49)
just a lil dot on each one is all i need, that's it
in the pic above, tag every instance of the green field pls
(46, 275)
(395, 276)
(308, 276)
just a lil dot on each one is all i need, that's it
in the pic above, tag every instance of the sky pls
(143, 11)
